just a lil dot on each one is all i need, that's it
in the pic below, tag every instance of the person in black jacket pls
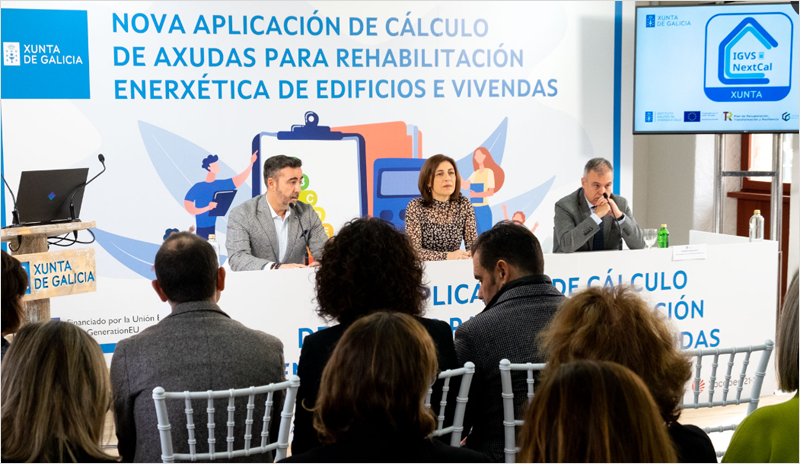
(370, 406)
(520, 302)
(368, 266)
(615, 324)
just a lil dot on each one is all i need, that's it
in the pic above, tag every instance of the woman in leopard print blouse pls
(442, 218)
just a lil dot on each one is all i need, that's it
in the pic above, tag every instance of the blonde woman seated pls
(371, 403)
(55, 394)
(443, 218)
(593, 411)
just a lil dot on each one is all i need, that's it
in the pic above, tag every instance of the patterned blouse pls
(439, 228)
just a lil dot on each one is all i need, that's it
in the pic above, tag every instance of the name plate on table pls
(688, 252)
(59, 273)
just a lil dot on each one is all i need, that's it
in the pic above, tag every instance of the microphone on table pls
(15, 213)
(304, 235)
(14, 216)
(72, 217)
(102, 160)
(605, 195)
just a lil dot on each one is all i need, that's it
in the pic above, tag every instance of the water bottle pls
(757, 226)
(212, 240)
(663, 237)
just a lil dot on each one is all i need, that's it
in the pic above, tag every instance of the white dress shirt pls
(282, 231)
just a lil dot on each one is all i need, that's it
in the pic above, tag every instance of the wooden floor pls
(700, 417)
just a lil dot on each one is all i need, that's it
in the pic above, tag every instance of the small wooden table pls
(33, 239)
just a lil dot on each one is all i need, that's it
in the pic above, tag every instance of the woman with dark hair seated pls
(368, 266)
(593, 411)
(615, 324)
(15, 283)
(769, 434)
(370, 406)
(55, 394)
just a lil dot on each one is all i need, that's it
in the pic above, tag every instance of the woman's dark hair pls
(15, 283)
(426, 177)
(594, 411)
(369, 266)
(377, 377)
(615, 324)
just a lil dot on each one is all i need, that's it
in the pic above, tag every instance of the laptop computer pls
(43, 196)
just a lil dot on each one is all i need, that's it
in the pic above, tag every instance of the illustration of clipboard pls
(334, 168)
(223, 198)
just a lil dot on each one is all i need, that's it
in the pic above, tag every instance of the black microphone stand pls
(72, 217)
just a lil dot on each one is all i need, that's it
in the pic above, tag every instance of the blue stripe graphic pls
(617, 91)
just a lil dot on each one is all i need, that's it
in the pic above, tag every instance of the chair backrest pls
(510, 423)
(755, 389)
(282, 443)
(461, 402)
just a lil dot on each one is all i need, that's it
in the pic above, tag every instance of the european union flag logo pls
(691, 116)
(648, 116)
(651, 21)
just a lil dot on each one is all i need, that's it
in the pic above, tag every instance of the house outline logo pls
(747, 80)
(748, 26)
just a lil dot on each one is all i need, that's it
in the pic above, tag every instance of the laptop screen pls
(44, 196)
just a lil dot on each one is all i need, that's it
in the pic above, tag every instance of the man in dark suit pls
(270, 230)
(520, 301)
(586, 221)
(196, 348)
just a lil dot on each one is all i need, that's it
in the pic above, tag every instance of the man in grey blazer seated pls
(272, 231)
(520, 301)
(196, 348)
(585, 219)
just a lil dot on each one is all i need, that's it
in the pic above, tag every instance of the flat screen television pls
(716, 69)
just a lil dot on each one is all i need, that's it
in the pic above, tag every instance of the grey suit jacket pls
(252, 240)
(574, 227)
(196, 348)
(507, 328)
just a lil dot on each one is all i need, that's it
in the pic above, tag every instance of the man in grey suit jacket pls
(271, 231)
(585, 219)
(520, 302)
(196, 348)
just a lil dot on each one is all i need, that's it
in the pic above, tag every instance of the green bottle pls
(663, 237)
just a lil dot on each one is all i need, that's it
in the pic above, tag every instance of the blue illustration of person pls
(199, 199)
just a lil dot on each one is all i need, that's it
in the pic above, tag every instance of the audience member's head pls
(787, 340)
(187, 269)
(593, 411)
(615, 324)
(377, 379)
(506, 252)
(15, 283)
(55, 394)
(369, 266)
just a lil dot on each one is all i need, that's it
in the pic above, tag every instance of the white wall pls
(794, 215)
(674, 183)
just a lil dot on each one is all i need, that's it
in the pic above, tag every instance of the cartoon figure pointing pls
(199, 200)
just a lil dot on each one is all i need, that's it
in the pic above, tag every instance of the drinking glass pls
(650, 236)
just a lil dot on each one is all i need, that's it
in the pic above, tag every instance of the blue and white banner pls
(178, 96)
